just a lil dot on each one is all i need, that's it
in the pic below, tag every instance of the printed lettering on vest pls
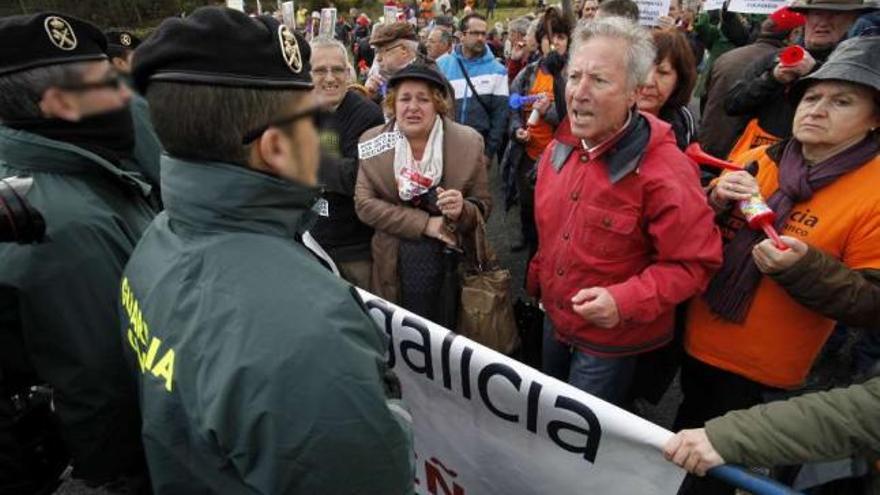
(146, 348)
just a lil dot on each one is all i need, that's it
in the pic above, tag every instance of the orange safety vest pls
(541, 133)
(752, 137)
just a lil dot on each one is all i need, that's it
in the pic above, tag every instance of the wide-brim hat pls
(838, 5)
(419, 72)
(856, 60)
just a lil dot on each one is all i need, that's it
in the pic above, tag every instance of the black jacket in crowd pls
(759, 95)
(341, 233)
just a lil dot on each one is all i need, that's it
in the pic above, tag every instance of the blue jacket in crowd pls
(489, 78)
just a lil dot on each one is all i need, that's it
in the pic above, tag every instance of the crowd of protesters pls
(203, 201)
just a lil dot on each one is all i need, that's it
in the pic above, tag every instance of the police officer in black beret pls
(64, 122)
(121, 45)
(259, 370)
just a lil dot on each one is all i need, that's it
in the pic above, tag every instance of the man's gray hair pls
(640, 50)
(21, 92)
(445, 36)
(519, 25)
(328, 42)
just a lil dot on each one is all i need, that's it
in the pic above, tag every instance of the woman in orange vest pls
(532, 126)
(768, 311)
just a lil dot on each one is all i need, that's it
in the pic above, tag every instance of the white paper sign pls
(651, 10)
(328, 22)
(390, 14)
(756, 6)
(288, 15)
(235, 4)
(379, 144)
(484, 423)
(713, 5)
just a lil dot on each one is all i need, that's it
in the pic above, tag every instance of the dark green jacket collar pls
(31, 152)
(218, 197)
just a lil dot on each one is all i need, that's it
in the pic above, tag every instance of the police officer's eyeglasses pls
(109, 83)
(312, 113)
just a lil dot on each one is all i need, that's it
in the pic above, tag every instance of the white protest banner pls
(235, 4)
(288, 15)
(328, 22)
(651, 10)
(713, 5)
(390, 14)
(484, 423)
(756, 6)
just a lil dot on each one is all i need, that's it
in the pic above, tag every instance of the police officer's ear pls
(122, 64)
(60, 104)
(272, 152)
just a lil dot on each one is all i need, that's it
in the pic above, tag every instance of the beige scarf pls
(415, 178)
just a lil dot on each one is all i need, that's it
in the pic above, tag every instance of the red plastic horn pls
(791, 56)
(785, 19)
(696, 153)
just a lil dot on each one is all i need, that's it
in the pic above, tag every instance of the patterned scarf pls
(415, 178)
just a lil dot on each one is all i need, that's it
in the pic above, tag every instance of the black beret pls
(122, 38)
(38, 40)
(419, 72)
(216, 46)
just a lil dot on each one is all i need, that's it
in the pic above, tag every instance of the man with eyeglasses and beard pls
(260, 371)
(65, 126)
(346, 116)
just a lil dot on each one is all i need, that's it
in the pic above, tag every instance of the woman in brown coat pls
(421, 184)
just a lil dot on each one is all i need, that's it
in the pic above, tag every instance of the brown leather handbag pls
(486, 310)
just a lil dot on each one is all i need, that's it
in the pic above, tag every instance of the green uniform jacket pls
(147, 148)
(820, 426)
(59, 298)
(260, 371)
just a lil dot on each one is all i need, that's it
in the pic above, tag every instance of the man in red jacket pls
(624, 230)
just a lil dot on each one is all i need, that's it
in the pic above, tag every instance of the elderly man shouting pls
(624, 230)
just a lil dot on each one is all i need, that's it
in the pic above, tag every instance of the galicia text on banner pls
(484, 423)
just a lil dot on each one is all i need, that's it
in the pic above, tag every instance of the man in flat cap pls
(65, 124)
(121, 44)
(760, 95)
(397, 46)
(259, 369)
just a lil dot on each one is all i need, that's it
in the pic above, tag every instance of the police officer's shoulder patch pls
(60, 33)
